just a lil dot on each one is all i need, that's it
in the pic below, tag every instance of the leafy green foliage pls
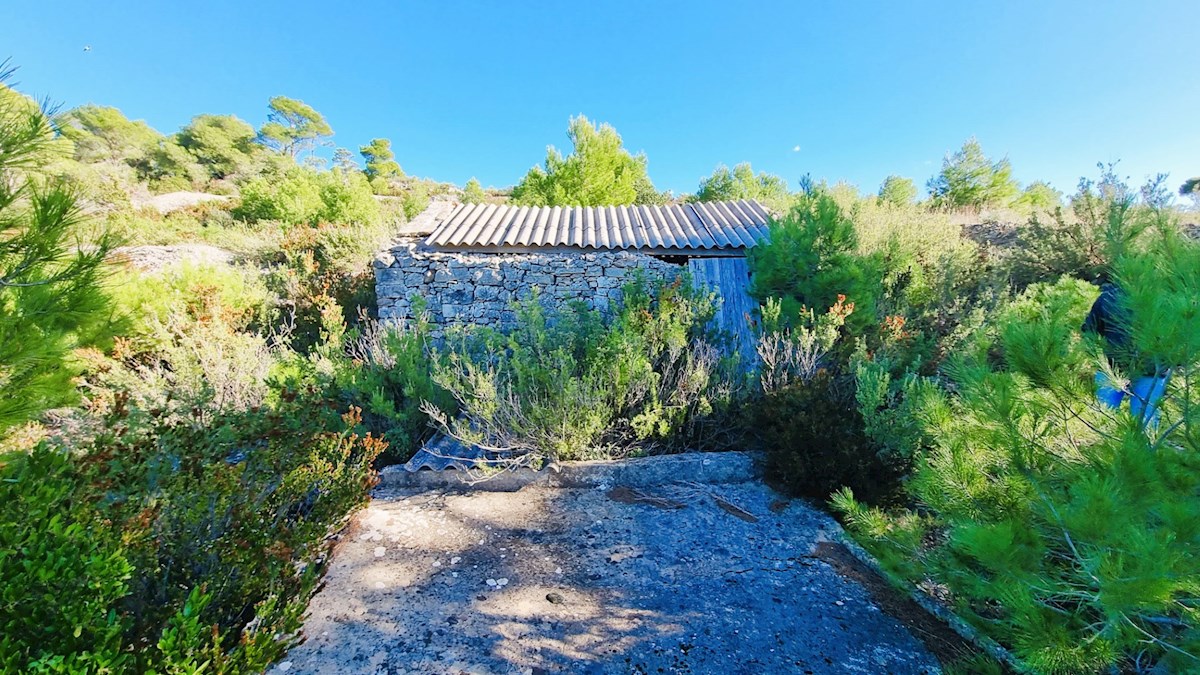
(970, 180)
(743, 183)
(811, 259)
(383, 370)
(573, 385)
(381, 161)
(51, 297)
(1106, 220)
(293, 127)
(1062, 527)
(1040, 196)
(898, 191)
(62, 571)
(806, 421)
(100, 134)
(222, 144)
(473, 192)
(168, 167)
(301, 196)
(598, 172)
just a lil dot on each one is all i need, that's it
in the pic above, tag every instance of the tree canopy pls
(898, 190)
(293, 127)
(742, 183)
(102, 133)
(970, 180)
(473, 192)
(598, 172)
(222, 144)
(380, 160)
(1040, 195)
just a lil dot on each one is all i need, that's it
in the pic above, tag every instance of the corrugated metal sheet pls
(677, 227)
(730, 278)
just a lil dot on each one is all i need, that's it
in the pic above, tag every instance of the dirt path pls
(548, 580)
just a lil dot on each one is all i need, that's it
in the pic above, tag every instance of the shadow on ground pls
(570, 580)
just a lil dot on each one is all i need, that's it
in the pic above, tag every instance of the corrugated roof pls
(698, 225)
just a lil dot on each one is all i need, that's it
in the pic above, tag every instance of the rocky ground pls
(676, 578)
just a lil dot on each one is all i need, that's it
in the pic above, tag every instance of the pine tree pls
(1067, 530)
(969, 179)
(598, 172)
(51, 299)
(473, 192)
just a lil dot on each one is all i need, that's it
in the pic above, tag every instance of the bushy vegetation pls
(958, 396)
(742, 183)
(51, 299)
(178, 444)
(575, 384)
(225, 419)
(598, 172)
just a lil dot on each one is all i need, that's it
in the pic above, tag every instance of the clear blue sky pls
(480, 88)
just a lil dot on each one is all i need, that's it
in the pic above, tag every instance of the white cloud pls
(796, 149)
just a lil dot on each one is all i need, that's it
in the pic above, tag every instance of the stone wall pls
(480, 288)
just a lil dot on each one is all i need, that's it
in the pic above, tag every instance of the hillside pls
(199, 394)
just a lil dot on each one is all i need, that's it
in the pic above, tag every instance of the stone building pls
(469, 262)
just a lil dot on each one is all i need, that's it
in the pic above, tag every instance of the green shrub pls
(316, 264)
(300, 196)
(234, 296)
(62, 571)
(807, 420)
(1105, 220)
(811, 259)
(384, 370)
(170, 546)
(1062, 528)
(813, 436)
(573, 383)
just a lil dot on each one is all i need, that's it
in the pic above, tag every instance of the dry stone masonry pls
(480, 288)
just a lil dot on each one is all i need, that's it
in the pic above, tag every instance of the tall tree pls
(222, 144)
(598, 172)
(344, 159)
(898, 190)
(380, 160)
(51, 299)
(101, 133)
(970, 180)
(742, 183)
(293, 127)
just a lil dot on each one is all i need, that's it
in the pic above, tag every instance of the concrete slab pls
(673, 578)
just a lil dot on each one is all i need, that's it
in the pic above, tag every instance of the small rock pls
(380, 551)
(554, 598)
(285, 666)
(454, 560)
